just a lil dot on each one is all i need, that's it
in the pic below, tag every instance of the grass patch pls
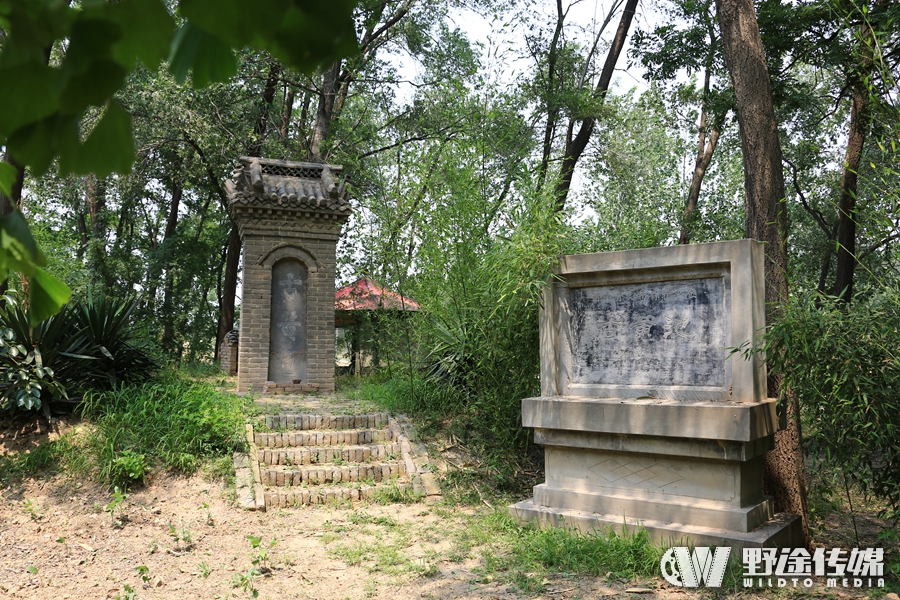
(524, 556)
(174, 424)
(395, 494)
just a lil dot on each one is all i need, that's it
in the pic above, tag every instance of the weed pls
(181, 537)
(245, 582)
(143, 571)
(152, 547)
(204, 570)
(209, 518)
(117, 504)
(32, 569)
(128, 466)
(260, 555)
(32, 509)
(130, 594)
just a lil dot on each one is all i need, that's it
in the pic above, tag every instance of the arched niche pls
(288, 321)
(291, 250)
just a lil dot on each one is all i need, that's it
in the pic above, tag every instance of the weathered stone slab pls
(287, 352)
(661, 333)
(656, 323)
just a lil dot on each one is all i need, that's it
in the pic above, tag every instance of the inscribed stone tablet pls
(287, 346)
(668, 333)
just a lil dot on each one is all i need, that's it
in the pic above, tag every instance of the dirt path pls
(186, 538)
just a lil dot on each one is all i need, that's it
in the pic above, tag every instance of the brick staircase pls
(300, 459)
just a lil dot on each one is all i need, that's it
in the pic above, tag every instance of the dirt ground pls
(185, 538)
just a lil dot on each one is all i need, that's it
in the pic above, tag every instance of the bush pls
(87, 345)
(478, 334)
(843, 362)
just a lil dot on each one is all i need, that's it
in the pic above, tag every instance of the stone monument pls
(290, 216)
(644, 415)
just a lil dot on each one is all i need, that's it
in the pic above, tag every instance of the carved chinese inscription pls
(657, 333)
(287, 336)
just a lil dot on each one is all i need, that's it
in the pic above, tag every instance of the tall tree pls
(667, 53)
(765, 220)
(576, 143)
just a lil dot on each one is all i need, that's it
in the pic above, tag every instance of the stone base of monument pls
(783, 531)
(681, 469)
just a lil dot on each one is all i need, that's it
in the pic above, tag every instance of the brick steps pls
(292, 497)
(328, 454)
(290, 389)
(320, 459)
(317, 475)
(354, 437)
(314, 421)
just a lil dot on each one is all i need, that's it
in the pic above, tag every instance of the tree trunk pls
(705, 152)
(846, 215)
(286, 114)
(765, 220)
(229, 285)
(575, 146)
(324, 112)
(95, 196)
(552, 104)
(303, 138)
(168, 337)
(268, 97)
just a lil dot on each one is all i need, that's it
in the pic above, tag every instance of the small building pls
(361, 311)
(290, 216)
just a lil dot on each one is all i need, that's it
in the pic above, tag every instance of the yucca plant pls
(106, 325)
(87, 345)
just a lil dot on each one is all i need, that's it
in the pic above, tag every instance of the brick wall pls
(267, 239)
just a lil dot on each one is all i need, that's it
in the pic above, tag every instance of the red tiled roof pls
(363, 294)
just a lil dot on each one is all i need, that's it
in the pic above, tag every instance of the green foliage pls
(477, 335)
(842, 361)
(525, 555)
(175, 423)
(87, 345)
(104, 42)
(66, 63)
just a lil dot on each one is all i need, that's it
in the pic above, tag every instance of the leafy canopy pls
(61, 66)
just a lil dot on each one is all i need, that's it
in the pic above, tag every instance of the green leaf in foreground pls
(108, 149)
(7, 178)
(47, 296)
(205, 55)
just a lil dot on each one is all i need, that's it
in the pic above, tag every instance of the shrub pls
(843, 362)
(87, 345)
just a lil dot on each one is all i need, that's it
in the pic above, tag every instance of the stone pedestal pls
(645, 416)
(680, 469)
(228, 353)
(290, 216)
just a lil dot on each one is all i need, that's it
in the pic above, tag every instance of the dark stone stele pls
(287, 339)
(659, 333)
